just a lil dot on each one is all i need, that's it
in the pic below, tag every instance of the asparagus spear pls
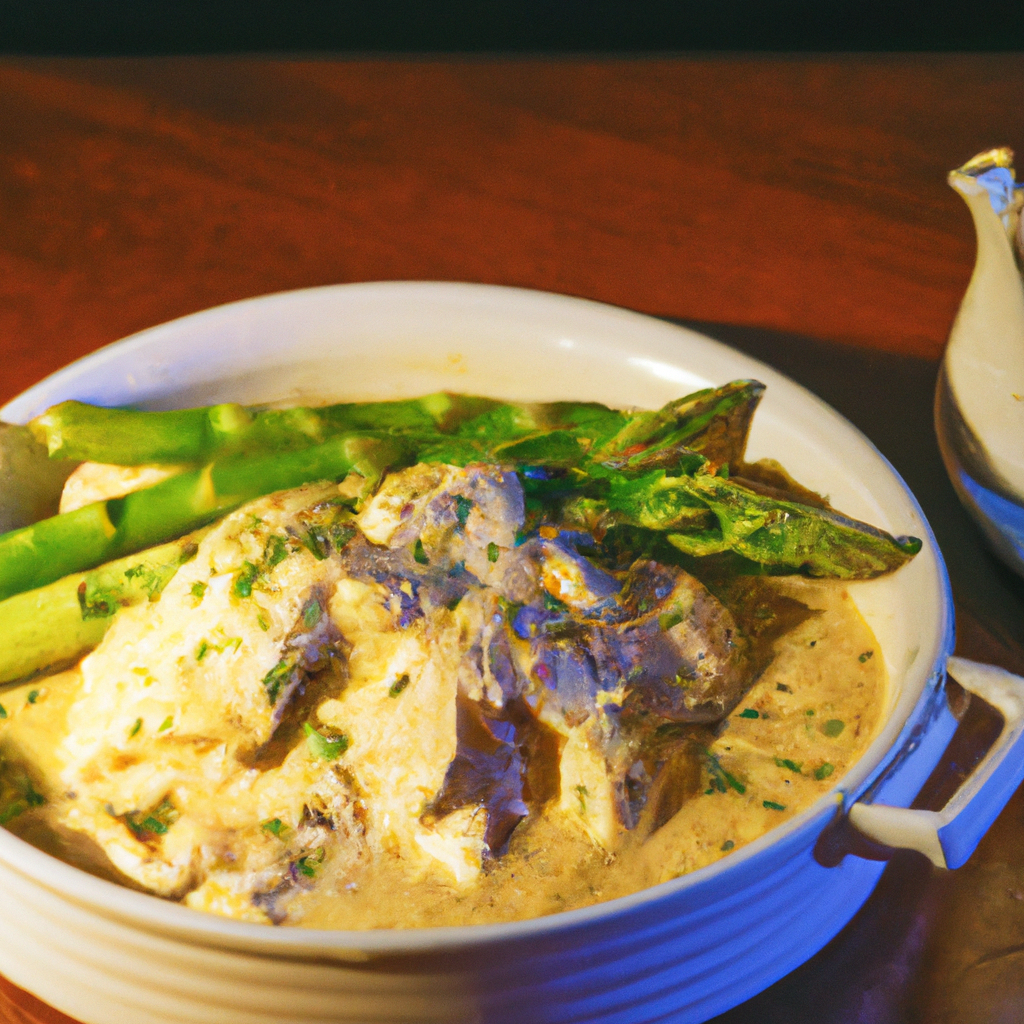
(39, 554)
(714, 422)
(55, 625)
(130, 437)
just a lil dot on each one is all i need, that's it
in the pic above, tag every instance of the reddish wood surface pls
(802, 194)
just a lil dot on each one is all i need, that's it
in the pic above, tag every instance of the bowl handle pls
(948, 837)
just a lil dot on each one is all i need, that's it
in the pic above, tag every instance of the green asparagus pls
(74, 541)
(52, 627)
(130, 437)
(664, 471)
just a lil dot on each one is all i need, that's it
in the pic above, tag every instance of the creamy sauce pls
(827, 671)
(817, 706)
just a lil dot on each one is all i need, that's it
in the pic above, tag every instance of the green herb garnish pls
(329, 748)
(793, 766)
(311, 614)
(198, 590)
(308, 864)
(824, 771)
(245, 579)
(771, 805)
(275, 679)
(151, 579)
(720, 779)
(398, 685)
(134, 731)
(166, 724)
(147, 827)
(865, 656)
(419, 554)
(493, 552)
(276, 827)
(463, 506)
(727, 845)
(748, 713)
(206, 646)
(317, 543)
(833, 727)
(33, 696)
(581, 794)
(276, 550)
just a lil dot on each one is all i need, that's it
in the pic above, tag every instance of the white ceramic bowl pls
(684, 950)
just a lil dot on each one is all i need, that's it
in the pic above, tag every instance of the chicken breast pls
(181, 695)
(318, 690)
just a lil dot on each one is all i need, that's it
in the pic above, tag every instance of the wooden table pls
(793, 206)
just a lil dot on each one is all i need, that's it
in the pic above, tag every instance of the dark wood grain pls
(782, 199)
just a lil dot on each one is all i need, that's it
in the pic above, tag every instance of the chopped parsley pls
(308, 864)
(493, 552)
(329, 748)
(865, 656)
(274, 681)
(419, 554)
(276, 827)
(463, 506)
(782, 688)
(398, 685)
(276, 550)
(727, 845)
(33, 696)
(581, 794)
(720, 781)
(317, 543)
(749, 713)
(311, 614)
(771, 805)
(261, 622)
(833, 727)
(134, 730)
(151, 580)
(166, 724)
(3, 711)
(809, 711)
(147, 827)
(793, 766)
(245, 579)
(206, 646)
(198, 590)
(27, 797)
(824, 771)
(96, 603)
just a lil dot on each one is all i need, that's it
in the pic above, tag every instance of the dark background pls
(128, 27)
